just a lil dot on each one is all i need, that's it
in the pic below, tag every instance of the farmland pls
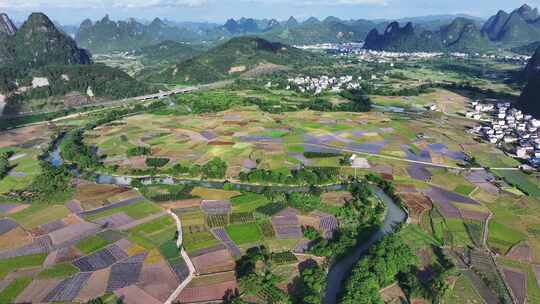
(268, 197)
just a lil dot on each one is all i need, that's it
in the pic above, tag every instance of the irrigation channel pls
(339, 271)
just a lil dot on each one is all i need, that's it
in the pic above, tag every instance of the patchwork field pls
(246, 138)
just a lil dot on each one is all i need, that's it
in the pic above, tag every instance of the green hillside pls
(167, 52)
(232, 59)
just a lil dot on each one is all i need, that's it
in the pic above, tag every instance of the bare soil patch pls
(521, 252)
(517, 281)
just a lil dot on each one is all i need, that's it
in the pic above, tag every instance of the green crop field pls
(248, 202)
(523, 182)
(463, 293)
(91, 244)
(137, 210)
(39, 214)
(502, 238)
(244, 233)
(199, 240)
(11, 264)
(62, 270)
(10, 292)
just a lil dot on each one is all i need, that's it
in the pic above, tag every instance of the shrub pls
(156, 162)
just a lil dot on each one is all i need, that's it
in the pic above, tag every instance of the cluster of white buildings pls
(349, 47)
(514, 58)
(382, 56)
(318, 85)
(509, 127)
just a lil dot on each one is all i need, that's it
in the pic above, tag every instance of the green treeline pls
(302, 176)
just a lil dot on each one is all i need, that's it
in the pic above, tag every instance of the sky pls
(74, 11)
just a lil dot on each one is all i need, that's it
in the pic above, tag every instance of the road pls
(399, 158)
(184, 283)
(159, 95)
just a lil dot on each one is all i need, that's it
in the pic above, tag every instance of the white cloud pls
(29, 4)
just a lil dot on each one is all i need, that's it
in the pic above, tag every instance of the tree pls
(157, 162)
(215, 168)
(312, 284)
(4, 164)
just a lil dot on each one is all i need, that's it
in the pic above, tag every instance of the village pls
(509, 128)
(318, 85)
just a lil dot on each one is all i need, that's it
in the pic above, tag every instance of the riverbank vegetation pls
(377, 269)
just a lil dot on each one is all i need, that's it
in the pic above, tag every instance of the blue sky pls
(74, 11)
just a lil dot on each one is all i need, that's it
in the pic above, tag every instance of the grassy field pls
(522, 181)
(62, 270)
(417, 238)
(38, 214)
(137, 210)
(248, 202)
(24, 168)
(244, 233)
(11, 264)
(463, 293)
(91, 244)
(502, 238)
(9, 293)
(157, 232)
(199, 240)
(213, 194)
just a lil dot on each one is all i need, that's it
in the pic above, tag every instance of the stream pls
(339, 271)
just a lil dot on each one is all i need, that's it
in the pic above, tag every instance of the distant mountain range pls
(106, 35)
(462, 35)
(518, 28)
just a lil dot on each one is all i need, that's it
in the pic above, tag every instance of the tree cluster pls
(302, 176)
(377, 269)
(74, 150)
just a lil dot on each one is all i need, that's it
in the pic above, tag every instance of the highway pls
(158, 95)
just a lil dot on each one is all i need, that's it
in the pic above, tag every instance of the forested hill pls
(37, 43)
(233, 58)
(167, 52)
(38, 62)
(521, 26)
(529, 101)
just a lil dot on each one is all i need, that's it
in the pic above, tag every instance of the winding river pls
(339, 271)
(342, 268)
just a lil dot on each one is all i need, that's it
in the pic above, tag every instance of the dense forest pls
(93, 81)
